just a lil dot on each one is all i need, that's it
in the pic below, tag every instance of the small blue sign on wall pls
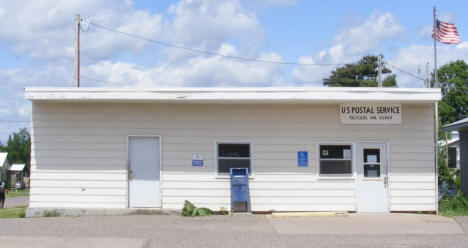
(197, 160)
(302, 159)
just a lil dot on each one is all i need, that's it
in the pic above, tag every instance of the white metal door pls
(372, 178)
(143, 184)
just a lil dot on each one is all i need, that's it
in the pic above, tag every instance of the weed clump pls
(53, 213)
(190, 210)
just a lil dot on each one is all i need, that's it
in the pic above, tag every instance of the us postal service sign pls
(370, 113)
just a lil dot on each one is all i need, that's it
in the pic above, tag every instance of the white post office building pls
(306, 149)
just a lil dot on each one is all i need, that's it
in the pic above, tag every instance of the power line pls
(224, 55)
(13, 121)
(98, 80)
(332, 80)
(192, 83)
(406, 72)
(209, 52)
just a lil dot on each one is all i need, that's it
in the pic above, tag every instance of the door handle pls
(130, 175)
(385, 181)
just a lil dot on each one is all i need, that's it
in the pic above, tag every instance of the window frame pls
(363, 164)
(456, 157)
(233, 142)
(337, 176)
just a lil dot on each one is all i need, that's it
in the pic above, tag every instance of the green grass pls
(454, 206)
(14, 193)
(16, 212)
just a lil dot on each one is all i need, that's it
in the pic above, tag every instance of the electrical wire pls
(192, 83)
(225, 55)
(13, 121)
(98, 80)
(209, 52)
(406, 72)
(332, 80)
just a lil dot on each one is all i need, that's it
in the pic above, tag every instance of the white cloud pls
(416, 56)
(349, 45)
(207, 24)
(48, 74)
(447, 16)
(311, 75)
(4, 108)
(425, 32)
(24, 110)
(273, 3)
(45, 29)
(196, 71)
(366, 36)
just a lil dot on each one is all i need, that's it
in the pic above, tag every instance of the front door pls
(143, 184)
(372, 178)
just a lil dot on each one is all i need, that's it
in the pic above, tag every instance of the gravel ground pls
(218, 231)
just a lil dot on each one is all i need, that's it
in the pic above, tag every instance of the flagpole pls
(436, 113)
(435, 48)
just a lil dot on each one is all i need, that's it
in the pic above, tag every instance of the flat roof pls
(241, 95)
(461, 124)
(16, 167)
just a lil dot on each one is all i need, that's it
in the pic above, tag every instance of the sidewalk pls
(60, 242)
(367, 224)
(351, 230)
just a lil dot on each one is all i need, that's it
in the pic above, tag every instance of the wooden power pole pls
(380, 71)
(77, 50)
(428, 82)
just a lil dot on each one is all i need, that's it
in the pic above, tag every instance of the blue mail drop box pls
(240, 197)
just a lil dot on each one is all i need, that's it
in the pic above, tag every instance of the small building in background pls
(462, 127)
(4, 165)
(16, 174)
(452, 146)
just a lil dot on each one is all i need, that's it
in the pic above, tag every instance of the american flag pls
(446, 33)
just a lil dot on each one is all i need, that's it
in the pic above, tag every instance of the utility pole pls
(446, 150)
(77, 50)
(380, 71)
(428, 84)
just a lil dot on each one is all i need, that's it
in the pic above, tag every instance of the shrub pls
(451, 206)
(190, 210)
(223, 211)
(204, 212)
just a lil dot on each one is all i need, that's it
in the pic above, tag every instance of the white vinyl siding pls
(79, 151)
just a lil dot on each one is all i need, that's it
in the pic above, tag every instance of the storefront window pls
(233, 155)
(335, 159)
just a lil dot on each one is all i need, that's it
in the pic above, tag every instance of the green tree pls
(361, 74)
(453, 78)
(19, 147)
(2, 147)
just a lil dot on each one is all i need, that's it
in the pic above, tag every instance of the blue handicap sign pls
(302, 159)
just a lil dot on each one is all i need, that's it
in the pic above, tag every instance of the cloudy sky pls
(37, 43)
